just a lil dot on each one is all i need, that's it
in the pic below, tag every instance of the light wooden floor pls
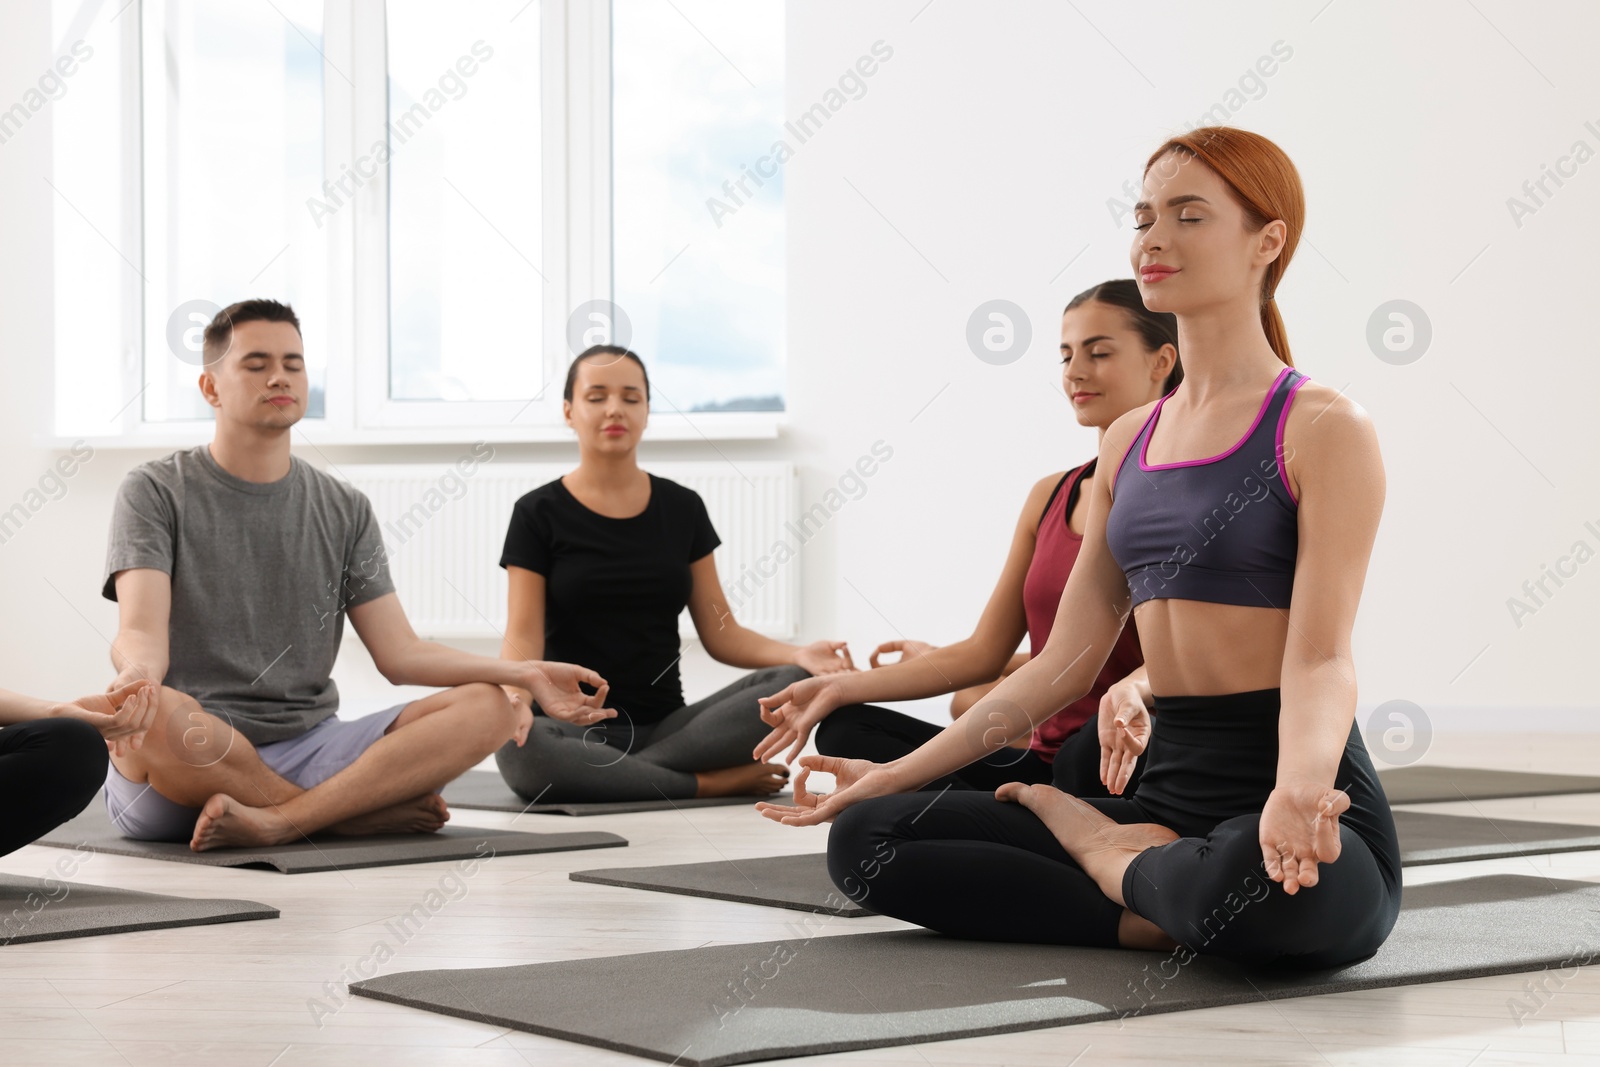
(241, 994)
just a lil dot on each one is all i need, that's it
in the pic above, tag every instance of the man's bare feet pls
(226, 823)
(747, 779)
(420, 815)
(1099, 844)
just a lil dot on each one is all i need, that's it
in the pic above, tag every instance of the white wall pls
(978, 164)
(992, 141)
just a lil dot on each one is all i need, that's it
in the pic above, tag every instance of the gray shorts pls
(139, 812)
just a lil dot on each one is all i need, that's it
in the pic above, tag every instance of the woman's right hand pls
(793, 713)
(855, 780)
(1124, 734)
(555, 689)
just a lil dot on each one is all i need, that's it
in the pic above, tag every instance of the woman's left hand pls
(122, 716)
(1300, 829)
(825, 657)
(908, 649)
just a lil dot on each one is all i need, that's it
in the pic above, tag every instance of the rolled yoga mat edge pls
(731, 1004)
(46, 909)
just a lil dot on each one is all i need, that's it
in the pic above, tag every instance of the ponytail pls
(1277, 336)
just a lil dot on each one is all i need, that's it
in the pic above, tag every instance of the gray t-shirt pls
(262, 575)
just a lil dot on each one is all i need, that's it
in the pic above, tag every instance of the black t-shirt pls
(614, 587)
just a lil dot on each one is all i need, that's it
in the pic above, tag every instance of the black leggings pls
(865, 731)
(49, 771)
(965, 864)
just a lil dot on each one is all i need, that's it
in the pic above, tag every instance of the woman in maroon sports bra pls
(1235, 519)
(1116, 356)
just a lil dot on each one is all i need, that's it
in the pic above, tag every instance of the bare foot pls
(748, 779)
(225, 823)
(1099, 844)
(420, 815)
(1135, 931)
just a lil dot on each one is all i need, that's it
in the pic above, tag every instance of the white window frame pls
(575, 58)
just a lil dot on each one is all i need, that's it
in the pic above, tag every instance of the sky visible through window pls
(237, 113)
(465, 209)
(698, 99)
(238, 92)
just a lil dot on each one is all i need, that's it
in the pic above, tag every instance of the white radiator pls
(444, 531)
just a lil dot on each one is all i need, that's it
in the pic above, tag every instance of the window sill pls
(704, 426)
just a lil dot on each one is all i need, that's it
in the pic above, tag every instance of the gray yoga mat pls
(739, 1003)
(797, 882)
(46, 909)
(1429, 838)
(801, 883)
(1428, 785)
(93, 830)
(487, 791)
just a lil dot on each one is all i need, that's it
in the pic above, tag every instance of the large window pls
(445, 193)
(698, 217)
(464, 202)
(232, 106)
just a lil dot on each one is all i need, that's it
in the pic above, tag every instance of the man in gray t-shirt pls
(234, 566)
(262, 574)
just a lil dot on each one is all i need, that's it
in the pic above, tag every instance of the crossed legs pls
(700, 750)
(1066, 871)
(967, 865)
(197, 760)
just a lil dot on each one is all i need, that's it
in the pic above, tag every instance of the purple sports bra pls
(1222, 530)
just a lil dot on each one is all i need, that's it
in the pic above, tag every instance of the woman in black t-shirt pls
(601, 562)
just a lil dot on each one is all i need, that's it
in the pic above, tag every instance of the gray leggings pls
(617, 760)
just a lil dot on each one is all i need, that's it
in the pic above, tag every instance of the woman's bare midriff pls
(1195, 648)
